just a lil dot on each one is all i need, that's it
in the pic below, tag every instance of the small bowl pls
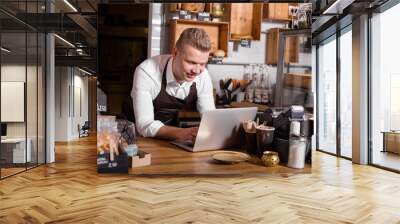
(270, 158)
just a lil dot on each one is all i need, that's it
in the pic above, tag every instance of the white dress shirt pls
(147, 84)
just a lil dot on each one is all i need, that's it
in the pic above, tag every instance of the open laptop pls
(219, 129)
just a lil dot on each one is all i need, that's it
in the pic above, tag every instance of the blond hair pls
(195, 37)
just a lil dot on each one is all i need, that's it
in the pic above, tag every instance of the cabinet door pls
(292, 50)
(272, 46)
(244, 20)
(276, 11)
(281, 11)
(291, 47)
(241, 18)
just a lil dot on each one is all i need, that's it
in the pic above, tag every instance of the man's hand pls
(180, 134)
(187, 134)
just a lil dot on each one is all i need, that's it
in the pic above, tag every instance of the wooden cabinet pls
(391, 141)
(190, 7)
(217, 31)
(291, 47)
(276, 11)
(301, 81)
(245, 20)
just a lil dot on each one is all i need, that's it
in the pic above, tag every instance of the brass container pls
(173, 7)
(270, 158)
(193, 7)
(217, 10)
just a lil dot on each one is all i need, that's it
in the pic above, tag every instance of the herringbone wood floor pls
(70, 191)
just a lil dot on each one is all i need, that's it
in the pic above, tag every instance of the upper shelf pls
(217, 31)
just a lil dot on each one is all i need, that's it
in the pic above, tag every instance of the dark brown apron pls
(166, 107)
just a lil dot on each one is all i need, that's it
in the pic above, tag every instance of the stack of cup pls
(265, 137)
(251, 136)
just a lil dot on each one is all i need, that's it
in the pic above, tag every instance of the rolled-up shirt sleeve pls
(142, 97)
(205, 98)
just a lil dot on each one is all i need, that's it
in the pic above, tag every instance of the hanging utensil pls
(227, 83)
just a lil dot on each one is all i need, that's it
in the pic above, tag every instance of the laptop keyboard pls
(188, 143)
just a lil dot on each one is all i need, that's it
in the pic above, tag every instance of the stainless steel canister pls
(297, 152)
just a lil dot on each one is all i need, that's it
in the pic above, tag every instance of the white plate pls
(230, 157)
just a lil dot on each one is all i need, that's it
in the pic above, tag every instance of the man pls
(166, 84)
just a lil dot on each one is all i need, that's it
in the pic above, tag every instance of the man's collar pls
(170, 75)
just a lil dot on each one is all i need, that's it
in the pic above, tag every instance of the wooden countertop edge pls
(170, 175)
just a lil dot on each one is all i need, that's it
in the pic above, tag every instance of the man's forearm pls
(167, 132)
(180, 134)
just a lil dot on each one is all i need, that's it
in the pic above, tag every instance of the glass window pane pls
(327, 97)
(385, 84)
(22, 77)
(346, 94)
(13, 85)
(31, 96)
(41, 98)
(297, 73)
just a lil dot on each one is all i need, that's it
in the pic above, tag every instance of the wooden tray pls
(141, 159)
(217, 31)
(245, 20)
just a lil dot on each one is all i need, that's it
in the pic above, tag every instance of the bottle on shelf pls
(265, 94)
(258, 83)
(251, 86)
(247, 79)
(247, 73)
(270, 86)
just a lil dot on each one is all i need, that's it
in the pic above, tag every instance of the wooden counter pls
(167, 159)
